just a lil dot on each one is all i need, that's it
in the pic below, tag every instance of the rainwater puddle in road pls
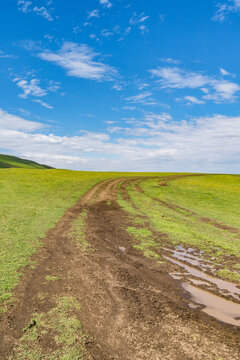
(221, 309)
(191, 257)
(224, 287)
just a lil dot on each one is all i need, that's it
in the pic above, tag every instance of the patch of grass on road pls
(79, 231)
(145, 241)
(55, 335)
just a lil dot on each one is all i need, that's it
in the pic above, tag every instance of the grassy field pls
(32, 201)
(201, 212)
(196, 211)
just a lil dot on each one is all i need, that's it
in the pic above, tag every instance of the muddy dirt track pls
(130, 307)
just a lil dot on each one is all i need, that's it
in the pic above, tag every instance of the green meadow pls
(33, 200)
(201, 212)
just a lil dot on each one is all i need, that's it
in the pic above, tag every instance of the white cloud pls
(136, 19)
(143, 29)
(139, 97)
(228, 7)
(193, 100)
(93, 13)
(42, 11)
(3, 55)
(44, 104)
(25, 6)
(79, 61)
(174, 77)
(224, 72)
(13, 122)
(170, 61)
(155, 142)
(54, 86)
(105, 3)
(106, 33)
(218, 90)
(225, 91)
(30, 88)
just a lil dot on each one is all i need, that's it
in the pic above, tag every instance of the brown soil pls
(131, 307)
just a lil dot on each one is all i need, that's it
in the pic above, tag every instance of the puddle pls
(199, 282)
(216, 306)
(221, 309)
(191, 257)
(226, 287)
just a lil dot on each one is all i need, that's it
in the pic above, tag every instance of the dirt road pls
(131, 307)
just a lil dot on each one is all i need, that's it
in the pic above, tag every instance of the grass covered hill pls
(8, 161)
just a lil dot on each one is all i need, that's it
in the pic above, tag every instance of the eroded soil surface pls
(131, 307)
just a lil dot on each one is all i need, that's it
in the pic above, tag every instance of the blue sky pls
(121, 85)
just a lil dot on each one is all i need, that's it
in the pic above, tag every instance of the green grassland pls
(179, 210)
(32, 201)
(8, 161)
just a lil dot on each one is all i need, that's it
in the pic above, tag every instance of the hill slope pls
(8, 161)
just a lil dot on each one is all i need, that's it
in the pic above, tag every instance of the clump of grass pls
(79, 231)
(230, 275)
(62, 329)
(51, 278)
(146, 242)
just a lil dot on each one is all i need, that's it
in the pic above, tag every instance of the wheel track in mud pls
(130, 306)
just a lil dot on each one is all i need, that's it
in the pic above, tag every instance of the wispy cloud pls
(105, 3)
(93, 14)
(175, 77)
(218, 90)
(193, 100)
(143, 29)
(44, 104)
(13, 122)
(137, 19)
(106, 33)
(170, 61)
(79, 61)
(30, 88)
(224, 72)
(140, 98)
(226, 8)
(3, 55)
(26, 7)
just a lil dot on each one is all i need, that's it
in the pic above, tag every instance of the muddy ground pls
(130, 306)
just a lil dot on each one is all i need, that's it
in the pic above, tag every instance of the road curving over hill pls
(131, 307)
